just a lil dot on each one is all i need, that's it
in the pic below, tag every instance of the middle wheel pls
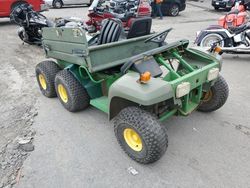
(70, 92)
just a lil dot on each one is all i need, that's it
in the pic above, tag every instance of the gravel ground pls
(80, 150)
(18, 97)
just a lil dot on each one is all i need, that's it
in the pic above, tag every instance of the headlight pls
(182, 89)
(213, 74)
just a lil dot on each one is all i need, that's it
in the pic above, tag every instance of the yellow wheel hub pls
(207, 96)
(62, 93)
(42, 81)
(132, 139)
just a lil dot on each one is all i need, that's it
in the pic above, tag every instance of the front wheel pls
(212, 38)
(21, 34)
(24, 37)
(216, 97)
(140, 135)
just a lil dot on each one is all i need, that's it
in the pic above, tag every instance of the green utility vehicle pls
(138, 82)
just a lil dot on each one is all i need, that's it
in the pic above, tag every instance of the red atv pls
(125, 10)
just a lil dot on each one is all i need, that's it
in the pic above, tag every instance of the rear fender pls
(93, 89)
(223, 32)
(200, 36)
(211, 27)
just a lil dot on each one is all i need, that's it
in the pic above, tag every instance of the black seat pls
(140, 27)
(110, 31)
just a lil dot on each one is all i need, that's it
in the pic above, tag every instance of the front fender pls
(127, 87)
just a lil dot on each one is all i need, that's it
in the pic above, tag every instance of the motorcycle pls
(30, 22)
(232, 36)
(125, 10)
(233, 40)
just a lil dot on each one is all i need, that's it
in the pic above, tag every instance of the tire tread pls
(49, 69)
(220, 92)
(148, 126)
(78, 96)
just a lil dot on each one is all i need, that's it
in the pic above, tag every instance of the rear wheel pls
(57, 4)
(216, 97)
(140, 135)
(70, 92)
(45, 73)
(174, 10)
(210, 39)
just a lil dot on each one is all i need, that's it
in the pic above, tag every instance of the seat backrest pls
(110, 31)
(140, 27)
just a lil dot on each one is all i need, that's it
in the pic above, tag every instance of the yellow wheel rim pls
(62, 93)
(42, 81)
(207, 96)
(132, 139)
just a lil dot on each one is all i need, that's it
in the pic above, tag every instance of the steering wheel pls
(159, 38)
